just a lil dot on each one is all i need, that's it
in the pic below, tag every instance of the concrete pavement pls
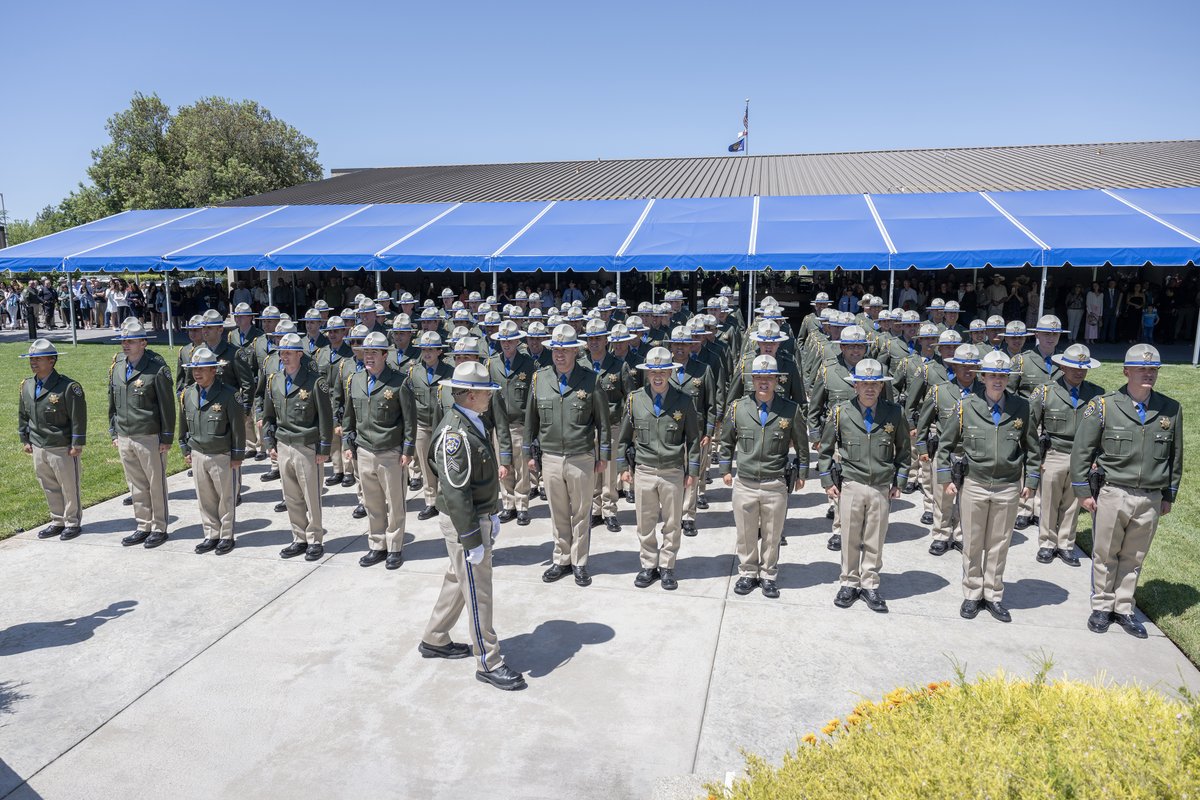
(165, 673)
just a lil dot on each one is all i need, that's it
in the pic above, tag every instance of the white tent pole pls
(892, 289)
(71, 305)
(1196, 347)
(1042, 291)
(495, 284)
(618, 286)
(750, 301)
(378, 282)
(270, 293)
(167, 291)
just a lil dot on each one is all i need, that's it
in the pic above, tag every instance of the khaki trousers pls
(692, 493)
(1125, 523)
(429, 485)
(58, 474)
(759, 511)
(301, 478)
(604, 496)
(1030, 506)
(837, 507)
(947, 527)
(463, 585)
(383, 485)
(925, 481)
(1060, 506)
(569, 481)
(216, 493)
(146, 473)
(252, 440)
(864, 527)
(987, 521)
(659, 495)
(335, 456)
(514, 490)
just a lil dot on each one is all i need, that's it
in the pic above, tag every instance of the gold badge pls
(889, 428)
(216, 407)
(304, 394)
(783, 378)
(1018, 424)
(53, 398)
(388, 394)
(697, 381)
(1164, 422)
(138, 383)
(783, 424)
(522, 377)
(678, 415)
(581, 394)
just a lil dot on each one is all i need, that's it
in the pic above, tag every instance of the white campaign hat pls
(659, 358)
(868, 371)
(1077, 356)
(470, 375)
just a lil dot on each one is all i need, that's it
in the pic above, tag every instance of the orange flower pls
(808, 738)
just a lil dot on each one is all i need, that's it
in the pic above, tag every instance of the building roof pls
(1118, 165)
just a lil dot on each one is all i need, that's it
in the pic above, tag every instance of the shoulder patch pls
(76, 390)
(1090, 408)
(453, 442)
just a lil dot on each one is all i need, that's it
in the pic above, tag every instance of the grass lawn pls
(1167, 592)
(22, 504)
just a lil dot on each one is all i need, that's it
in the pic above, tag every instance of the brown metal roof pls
(1070, 166)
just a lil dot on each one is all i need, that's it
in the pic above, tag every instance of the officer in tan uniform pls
(512, 371)
(422, 379)
(212, 436)
(696, 379)
(611, 373)
(52, 424)
(761, 429)
(871, 436)
(659, 422)
(468, 496)
(141, 424)
(1134, 436)
(298, 431)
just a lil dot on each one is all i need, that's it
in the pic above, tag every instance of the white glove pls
(475, 555)
(495, 527)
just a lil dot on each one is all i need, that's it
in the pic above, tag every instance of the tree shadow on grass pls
(1167, 598)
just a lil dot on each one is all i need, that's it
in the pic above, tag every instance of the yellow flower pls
(853, 719)
(831, 726)
(808, 738)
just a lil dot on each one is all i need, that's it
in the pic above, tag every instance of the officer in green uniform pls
(469, 496)
(268, 366)
(512, 370)
(871, 437)
(195, 329)
(811, 322)
(761, 429)
(212, 436)
(52, 424)
(536, 337)
(422, 380)
(141, 424)
(1057, 409)
(328, 364)
(909, 388)
(696, 379)
(1135, 435)
(568, 416)
(378, 432)
(313, 338)
(346, 367)
(298, 432)
(1033, 368)
(402, 350)
(661, 424)
(611, 374)
(993, 428)
(241, 338)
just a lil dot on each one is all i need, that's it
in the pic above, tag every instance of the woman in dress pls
(1094, 306)
(1076, 303)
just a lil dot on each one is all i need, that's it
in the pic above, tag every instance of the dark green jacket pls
(1053, 411)
(1135, 455)
(879, 458)
(302, 416)
(142, 404)
(424, 392)
(381, 419)
(761, 450)
(670, 440)
(1029, 372)
(234, 337)
(514, 386)
(997, 455)
(568, 424)
(216, 427)
(468, 476)
(55, 418)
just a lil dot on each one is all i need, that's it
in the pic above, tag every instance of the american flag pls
(740, 145)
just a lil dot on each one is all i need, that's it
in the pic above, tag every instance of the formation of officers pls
(485, 409)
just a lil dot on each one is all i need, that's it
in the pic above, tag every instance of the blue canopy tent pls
(854, 232)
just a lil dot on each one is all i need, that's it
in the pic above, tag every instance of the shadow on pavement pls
(803, 576)
(552, 644)
(1033, 593)
(523, 555)
(905, 532)
(913, 583)
(27, 636)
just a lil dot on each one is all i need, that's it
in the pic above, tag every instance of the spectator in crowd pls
(1135, 304)
(1076, 304)
(1114, 302)
(1149, 320)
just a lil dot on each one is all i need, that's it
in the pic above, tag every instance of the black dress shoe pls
(910, 487)
(270, 475)
(745, 585)
(1131, 625)
(51, 531)
(394, 560)
(1067, 557)
(581, 576)
(874, 601)
(156, 538)
(957, 545)
(541, 494)
(522, 518)
(927, 518)
(612, 525)
(1021, 524)
(502, 678)
(845, 597)
(829, 513)
(206, 545)
(770, 589)
(998, 611)
(224, 546)
(70, 532)
(645, 578)
(428, 512)
(359, 512)
(938, 547)
(251, 453)
(969, 609)
(294, 549)
(260, 456)
(335, 479)
(280, 507)
(128, 501)
(1099, 621)
(556, 572)
(701, 502)
(348, 481)
(314, 551)
(597, 520)
(507, 515)
(414, 484)
(238, 502)
(783, 540)
(454, 650)
(189, 475)
(372, 557)
(620, 492)
(667, 579)
(1035, 520)
(835, 542)
(533, 493)
(1045, 555)
(630, 497)
(689, 528)
(137, 537)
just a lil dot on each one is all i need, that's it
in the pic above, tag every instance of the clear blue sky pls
(381, 84)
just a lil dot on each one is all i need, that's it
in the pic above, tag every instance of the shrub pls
(995, 737)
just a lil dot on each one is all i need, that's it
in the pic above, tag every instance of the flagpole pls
(746, 149)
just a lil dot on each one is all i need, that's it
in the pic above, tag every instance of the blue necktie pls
(562, 384)
(596, 367)
(429, 376)
(358, 366)
(507, 367)
(996, 414)
(1049, 366)
(912, 346)
(1141, 409)
(950, 374)
(869, 418)
(1074, 397)
(762, 414)
(128, 370)
(681, 375)
(658, 405)
(37, 388)
(203, 396)
(370, 384)
(287, 384)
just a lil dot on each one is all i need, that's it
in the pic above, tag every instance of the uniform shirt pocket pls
(215, 424)
(1162, 446)
(1117, 444)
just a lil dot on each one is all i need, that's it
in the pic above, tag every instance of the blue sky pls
(381, 84)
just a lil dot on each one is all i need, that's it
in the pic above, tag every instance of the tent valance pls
(928, 231)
